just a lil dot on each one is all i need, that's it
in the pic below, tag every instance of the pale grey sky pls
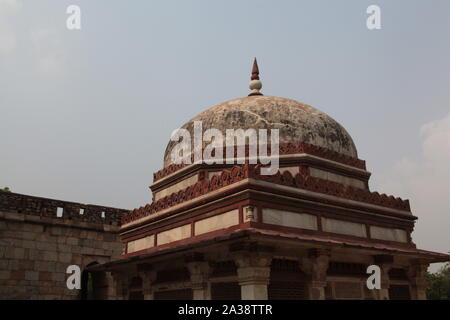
(85, 115)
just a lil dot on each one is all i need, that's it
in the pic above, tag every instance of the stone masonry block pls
(33, 227)
(64, 248)
(72, 241)
(35, 254)
(29, 235)
(61, 267)
(4, 264)
(49, 256)
(26, 264)
(64, 257)
(13, 264)
(19, 253)
(28, 244)
(17, 275)
(4, 274)
(58, 276)
(31, 275)
(46, 246)
(45, 276)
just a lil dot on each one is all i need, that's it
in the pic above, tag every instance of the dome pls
(296, 121)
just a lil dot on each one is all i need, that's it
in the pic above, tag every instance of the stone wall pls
(40, 238)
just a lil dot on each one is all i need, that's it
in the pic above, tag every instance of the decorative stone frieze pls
(239, 173)
(285, 149)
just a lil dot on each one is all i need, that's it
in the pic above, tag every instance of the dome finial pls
(255, 83)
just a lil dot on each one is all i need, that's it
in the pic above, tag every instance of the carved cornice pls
(301, 180)
(285, 149)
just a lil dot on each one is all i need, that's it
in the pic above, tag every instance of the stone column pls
(416, 274)
(112, 286)
(254, 281)
(118, 286)
(316, 266)
(385, 263)
(383, 293)
(148, 275)
(253, 274)
(201, 287)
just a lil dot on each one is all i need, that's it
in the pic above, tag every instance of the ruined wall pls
(40, 238)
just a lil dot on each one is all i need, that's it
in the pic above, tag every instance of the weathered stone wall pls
(38, 242)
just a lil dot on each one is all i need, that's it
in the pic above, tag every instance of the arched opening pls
(399, 288)
(94, 285)
(136, 289)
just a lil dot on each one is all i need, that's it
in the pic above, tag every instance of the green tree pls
(438, 284)
(5, 189)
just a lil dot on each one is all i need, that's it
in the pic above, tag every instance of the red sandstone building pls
(307, 232)
(227, 232)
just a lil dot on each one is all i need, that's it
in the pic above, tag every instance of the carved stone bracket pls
(200, 271)
(315, 265)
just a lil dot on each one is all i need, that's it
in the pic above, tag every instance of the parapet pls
(63, 210)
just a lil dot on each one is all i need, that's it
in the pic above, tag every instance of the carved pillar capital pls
(251, 255)
(199, 271)
(253, 269)
(315, 266)
(148, 275)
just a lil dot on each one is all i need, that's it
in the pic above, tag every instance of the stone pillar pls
(148, 278)
(112, 286)
(118, 286)
(416, 274)
(385, 264)
(383, 293)
(253, 274)
(254, 280)
(316, 266)
(201, 287)
(148, 275)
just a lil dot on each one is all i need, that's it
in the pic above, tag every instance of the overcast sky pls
(85, 115)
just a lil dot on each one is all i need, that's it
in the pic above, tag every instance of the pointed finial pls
(255, 70)
(255, 83)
